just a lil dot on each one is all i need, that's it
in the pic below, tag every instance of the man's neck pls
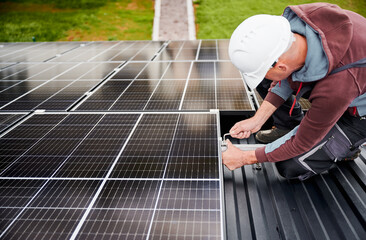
(301, 51)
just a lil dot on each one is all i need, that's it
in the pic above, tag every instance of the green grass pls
(84, 4)
(77, 20)
(22, 27)
(217, 19)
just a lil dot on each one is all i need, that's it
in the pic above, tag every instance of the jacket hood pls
(333, 26)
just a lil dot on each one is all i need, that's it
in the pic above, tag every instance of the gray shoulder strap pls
(359, 63)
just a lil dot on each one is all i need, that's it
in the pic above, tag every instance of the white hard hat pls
(257, 43)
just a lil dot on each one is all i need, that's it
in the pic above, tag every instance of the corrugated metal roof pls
(260, 204)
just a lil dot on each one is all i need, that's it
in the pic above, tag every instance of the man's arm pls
(244, 128)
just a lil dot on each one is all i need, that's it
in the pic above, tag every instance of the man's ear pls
(281, 66)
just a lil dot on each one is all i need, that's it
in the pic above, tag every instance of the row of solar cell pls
(68, 142)
(58, 94)
(62, 71)
(114, 51)
(192, 207)
(132, 70)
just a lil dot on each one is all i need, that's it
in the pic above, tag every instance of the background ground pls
(102, 20)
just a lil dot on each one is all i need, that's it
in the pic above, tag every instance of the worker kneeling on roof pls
(316, 51)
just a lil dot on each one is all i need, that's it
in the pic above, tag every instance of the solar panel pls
(124, 171)
(87, 85)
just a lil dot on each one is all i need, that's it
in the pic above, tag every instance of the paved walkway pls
(174, 20)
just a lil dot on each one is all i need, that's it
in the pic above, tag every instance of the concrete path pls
(174, 20)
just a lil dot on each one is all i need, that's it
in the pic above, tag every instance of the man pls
(312, 48)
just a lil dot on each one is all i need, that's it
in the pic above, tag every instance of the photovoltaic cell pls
(128, 194)
(51, 71)
(35, 52)
(167, 95)
(153, 70)
(7, 119)
(5, 65)
(23, 71)
(56, 94)
(226, 70)
(148, 149)
(171, 51)
(105, 96)
(170, 224)
(129, 71)
(208, 50)
(116, 224)
(190, 195)
(136, 96)
(39, 223)
(7, 84)
(192, 167)
(17, 91)
(20, 140)
(84, 52)
(223, 46)
(200, 94)
(231, 95)
(110, 53)
(177, 70)
(149, 51)
(202, 70)
(192, 206)
(65, 194)
(71, 142)
(17, 193)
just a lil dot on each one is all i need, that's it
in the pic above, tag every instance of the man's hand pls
(234, 158)
(245, 128)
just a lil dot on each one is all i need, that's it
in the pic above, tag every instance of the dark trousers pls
(281, 117)
(342, 143)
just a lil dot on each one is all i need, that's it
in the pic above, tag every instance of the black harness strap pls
(359, 63)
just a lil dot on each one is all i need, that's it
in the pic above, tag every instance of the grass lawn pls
(217, 19)
(78, 20)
